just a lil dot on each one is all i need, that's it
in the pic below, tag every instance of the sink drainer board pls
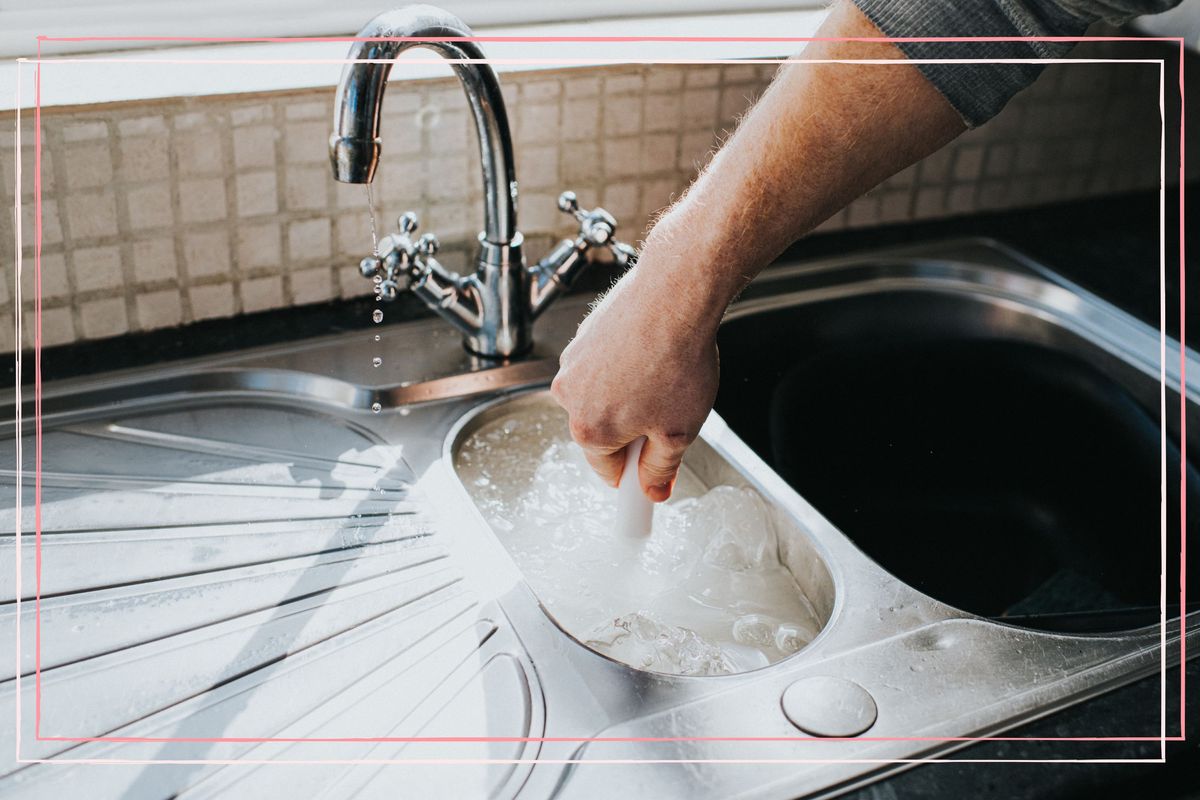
(234, 573)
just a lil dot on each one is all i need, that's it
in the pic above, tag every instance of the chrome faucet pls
(494, 308)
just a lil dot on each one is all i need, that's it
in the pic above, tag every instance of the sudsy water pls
(704, 595)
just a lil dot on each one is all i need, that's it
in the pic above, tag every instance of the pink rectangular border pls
(587, 39)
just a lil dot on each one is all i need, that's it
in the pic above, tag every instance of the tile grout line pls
(129, 289)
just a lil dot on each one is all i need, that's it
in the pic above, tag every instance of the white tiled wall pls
(160, 214)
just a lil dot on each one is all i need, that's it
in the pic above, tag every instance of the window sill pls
(274, 66)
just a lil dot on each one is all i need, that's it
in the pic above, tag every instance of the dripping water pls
(371, 215)
(376, 314)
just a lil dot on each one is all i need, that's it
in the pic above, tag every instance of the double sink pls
(241, 564)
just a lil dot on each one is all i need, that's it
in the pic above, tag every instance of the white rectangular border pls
(18, 311)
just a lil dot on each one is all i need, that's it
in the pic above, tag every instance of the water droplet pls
(377, 361)
(376, 407)
(377, 337)
(377, 315)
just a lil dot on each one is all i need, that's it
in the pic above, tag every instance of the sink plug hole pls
(829, 706)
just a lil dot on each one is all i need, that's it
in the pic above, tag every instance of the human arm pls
(645, 361)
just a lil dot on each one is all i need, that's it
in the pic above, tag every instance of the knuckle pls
(583, 431)
(679, 440)
(675, 441)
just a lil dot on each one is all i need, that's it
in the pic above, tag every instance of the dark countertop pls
(1108, 245)
(1130, 711)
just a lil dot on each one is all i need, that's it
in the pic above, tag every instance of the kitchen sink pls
(973, 433)
(252, 585)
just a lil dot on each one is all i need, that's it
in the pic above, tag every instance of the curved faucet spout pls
(354, 146)
(494, 307)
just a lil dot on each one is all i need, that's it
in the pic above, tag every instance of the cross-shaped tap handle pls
(408, 222)
(568, 203)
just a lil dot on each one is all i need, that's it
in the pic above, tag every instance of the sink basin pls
(240, 564)
(704, 466)
(980, 439)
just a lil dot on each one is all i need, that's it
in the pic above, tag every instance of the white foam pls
(705, 594)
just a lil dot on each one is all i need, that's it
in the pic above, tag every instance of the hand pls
(639, 366)
(644, 363)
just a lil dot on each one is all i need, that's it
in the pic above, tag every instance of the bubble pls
(756, 630)
(377, 315)
(706, 594)
(377, 337)
(377, 361)
(790, 637)
(376, 407)
(645, 641)
(376, 279)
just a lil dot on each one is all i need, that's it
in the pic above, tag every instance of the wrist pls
(682, 277)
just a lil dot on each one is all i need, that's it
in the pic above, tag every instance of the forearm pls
(821, 135)
(645, 361)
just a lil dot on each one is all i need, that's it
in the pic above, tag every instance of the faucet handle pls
(428, 245)
(401, 259)
(370, 266)
(568, 203)
(389, 290)
(596, 228)
(408, 222)
(623, 254)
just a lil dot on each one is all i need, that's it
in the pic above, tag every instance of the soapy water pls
(705, 594)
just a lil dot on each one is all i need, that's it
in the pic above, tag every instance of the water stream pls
(374, 225)
(377, 313)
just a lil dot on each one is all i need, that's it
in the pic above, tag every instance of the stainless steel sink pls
(705, 465)
(992, 439)
(241, 566)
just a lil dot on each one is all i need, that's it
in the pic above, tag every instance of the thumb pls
(659, 465)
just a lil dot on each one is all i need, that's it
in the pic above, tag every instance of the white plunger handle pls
(634, 510)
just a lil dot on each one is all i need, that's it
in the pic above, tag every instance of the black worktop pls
(1128, 712)
(1109, 245)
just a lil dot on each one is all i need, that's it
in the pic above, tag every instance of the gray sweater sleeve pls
(979, 91)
